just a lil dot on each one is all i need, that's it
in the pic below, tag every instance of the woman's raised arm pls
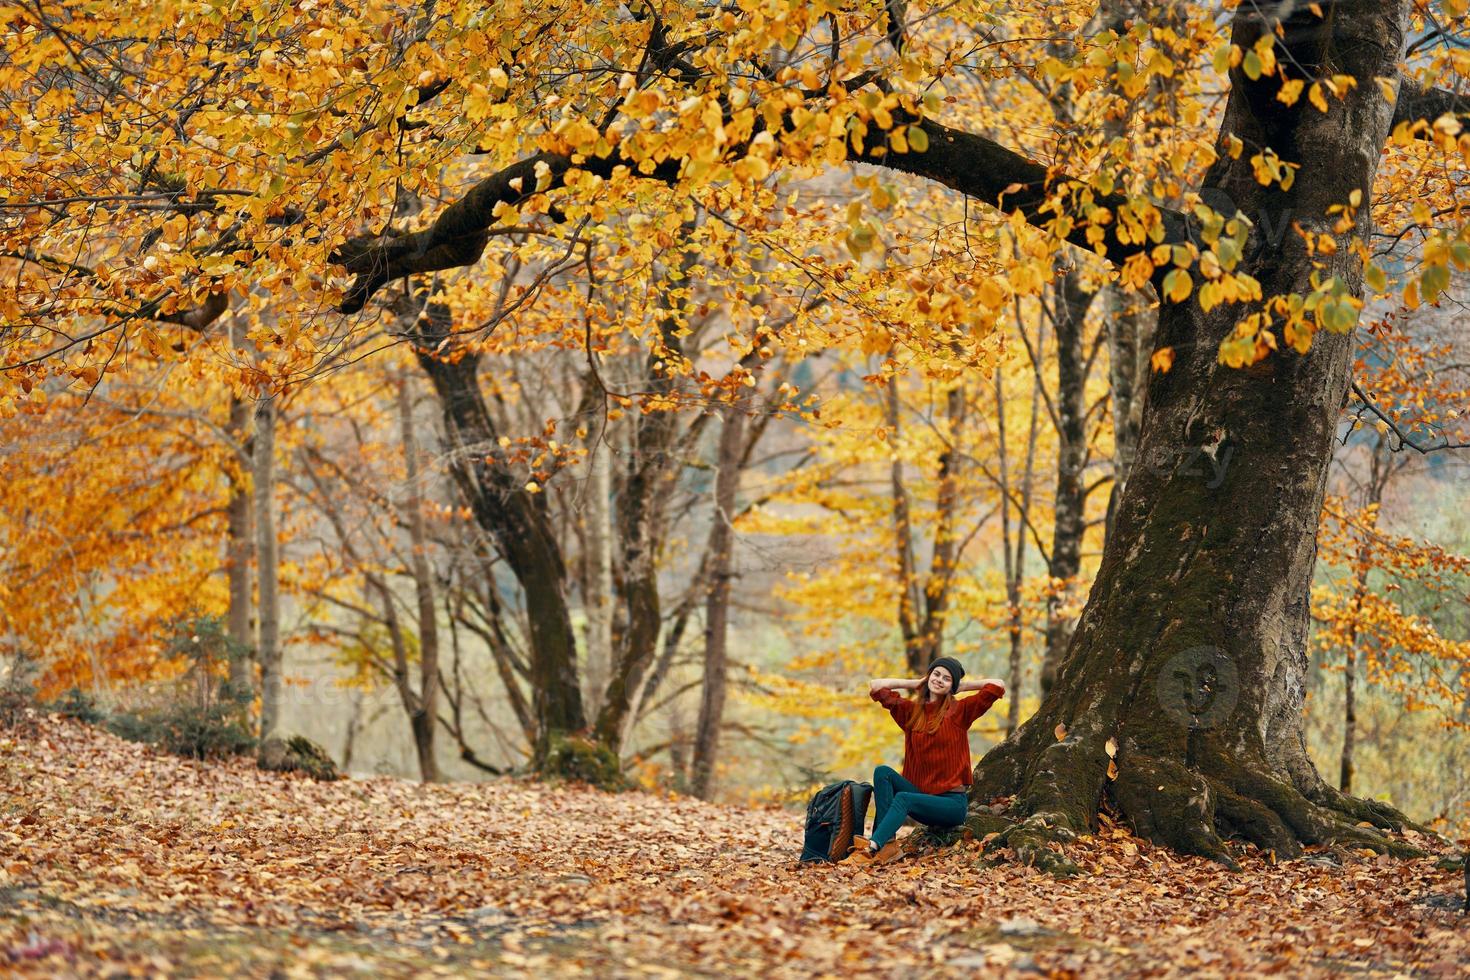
(894, 684)
(975, 685)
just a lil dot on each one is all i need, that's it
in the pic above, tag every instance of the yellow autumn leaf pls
(1177, 285)
(1315, 96)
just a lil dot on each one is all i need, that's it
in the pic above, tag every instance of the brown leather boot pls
(860, 857)
(888, 853)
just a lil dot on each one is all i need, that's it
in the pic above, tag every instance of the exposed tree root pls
(1171, 805)
(1308, 822)
(1038, 844)
(1376, 812)
(981, 823)
(1058, 802)
(1246, 819)
(1193, 810)
(1064, 786)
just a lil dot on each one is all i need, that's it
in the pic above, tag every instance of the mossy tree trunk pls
(1191, 652)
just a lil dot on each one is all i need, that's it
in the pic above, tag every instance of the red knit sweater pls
(938, 762)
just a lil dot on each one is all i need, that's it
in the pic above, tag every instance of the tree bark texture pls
(1191, 651)
(1130, 324)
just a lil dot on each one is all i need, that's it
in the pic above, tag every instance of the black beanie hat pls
(950, 664)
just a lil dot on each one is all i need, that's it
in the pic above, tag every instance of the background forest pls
(672, 468)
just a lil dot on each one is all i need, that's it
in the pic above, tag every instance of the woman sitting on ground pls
(934, 787)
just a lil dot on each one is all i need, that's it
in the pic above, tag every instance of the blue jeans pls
(896, 799)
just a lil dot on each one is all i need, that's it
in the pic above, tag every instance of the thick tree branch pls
(987, 171)
(1415, 103)
(459, 235)
(199, 317)
(966, 162)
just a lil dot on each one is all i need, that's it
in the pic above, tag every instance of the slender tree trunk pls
(652, 472)
(424, 712)
(717, 603)
(1349, 718)
(945, 556)
(268, 648)
(1350, 675)
(1192, 651)
(511, 668)
(1378, 476)
(599, 595)
(903, 541)
(349, 738)
(240, 553)
(1070, 302)
(679, 744)
(1014, 556)
(517, 521)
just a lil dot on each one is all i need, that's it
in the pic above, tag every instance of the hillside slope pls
(116, 859)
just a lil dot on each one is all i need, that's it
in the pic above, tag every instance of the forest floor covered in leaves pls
(115, 859)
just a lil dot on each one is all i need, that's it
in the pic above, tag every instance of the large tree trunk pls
(268, 646)
(424, 710)
(1191, 652)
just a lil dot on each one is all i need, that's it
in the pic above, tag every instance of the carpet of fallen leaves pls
(116, 859)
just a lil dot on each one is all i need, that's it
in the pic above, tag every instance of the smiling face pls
(940, 682)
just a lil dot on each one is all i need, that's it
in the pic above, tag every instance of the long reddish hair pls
(920, 719)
